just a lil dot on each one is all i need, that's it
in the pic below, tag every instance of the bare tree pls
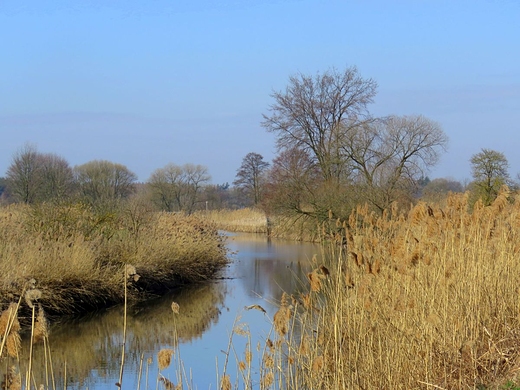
(165, 186)
(195, 177)
(102, 181)
(388, 156)
(177, 188)
(57, 178)
(490, 172)
(250, 176)
(360, 158)
(293, 181)
(315, 113)
(23, 175)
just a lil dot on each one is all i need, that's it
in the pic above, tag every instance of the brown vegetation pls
(75, 255)
(247, 220)
(425, 299)
(420, 300)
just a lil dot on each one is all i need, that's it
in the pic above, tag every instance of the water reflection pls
(93, 345)
(258, 274)
(269, 267)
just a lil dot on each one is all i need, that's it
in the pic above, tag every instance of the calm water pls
(260, 270)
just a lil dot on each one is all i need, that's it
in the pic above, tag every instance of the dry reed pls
(76, 254)
(417, 299)
(164, 357)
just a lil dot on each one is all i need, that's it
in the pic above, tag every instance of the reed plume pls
(9, 330)
(169, 385)
(12, 380)
(225, 383)
(282, 316)
(164, 357)
(41, 329)
(31, 296)
(175, 308)
(315, 280)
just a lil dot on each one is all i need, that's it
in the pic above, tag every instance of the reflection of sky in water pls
(259, 272)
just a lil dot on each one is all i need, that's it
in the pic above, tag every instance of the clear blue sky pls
(145, 83)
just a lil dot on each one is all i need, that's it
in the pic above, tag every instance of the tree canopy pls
(38, 177)
(178, 188)
(104, 181)
(490, 172)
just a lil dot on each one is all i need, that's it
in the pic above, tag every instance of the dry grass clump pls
(424, 299)
(76, 254)
(246, 220)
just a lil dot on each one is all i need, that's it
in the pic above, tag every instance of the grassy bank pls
(76, 257)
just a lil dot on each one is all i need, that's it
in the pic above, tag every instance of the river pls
(87, 351)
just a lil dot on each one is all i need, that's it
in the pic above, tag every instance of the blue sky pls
(146, 83)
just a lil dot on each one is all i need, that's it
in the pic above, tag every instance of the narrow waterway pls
(87, 352)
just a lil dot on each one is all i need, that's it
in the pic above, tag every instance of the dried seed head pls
(249, 357)
(225, 384)
(168, 385)
(31, 283)
(41, 329)
(315, 281)
(241, 329)
(306, 300)
(130, 270)
(9, 317)
(268, 361)
(31, 296)
(267, 380)
(317, 364)
(14, 344)
(281, 319)
(175, 308)
(12, 380)
(164, 358)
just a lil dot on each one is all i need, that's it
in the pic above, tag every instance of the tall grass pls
(426, 299)
(76, 255)
(420, 300)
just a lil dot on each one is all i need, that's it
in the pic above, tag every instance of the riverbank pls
(77, 259)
